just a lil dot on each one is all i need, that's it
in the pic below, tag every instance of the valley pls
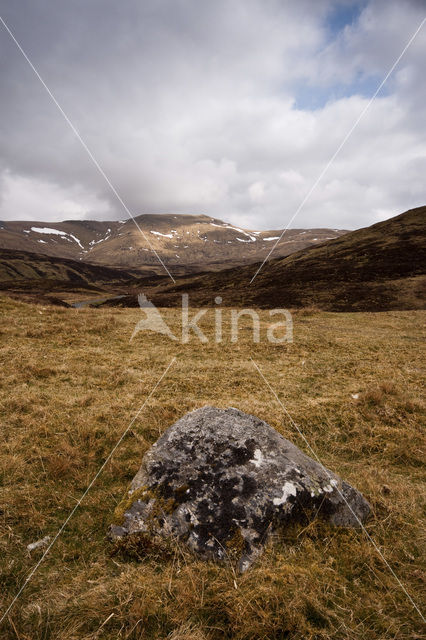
(378, 268)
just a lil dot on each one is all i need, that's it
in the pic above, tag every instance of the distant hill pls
(41, 278)
(186, 243)
(372, 269)
(24, 265)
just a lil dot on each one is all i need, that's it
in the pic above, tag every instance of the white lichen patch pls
(39, 543)
(289, 489)
(257, 458)
(244, 565)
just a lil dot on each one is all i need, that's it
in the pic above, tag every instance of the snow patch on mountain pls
(165, 235)
(54, 232)
(76, 239)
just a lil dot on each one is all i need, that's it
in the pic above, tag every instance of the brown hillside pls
(379, 267)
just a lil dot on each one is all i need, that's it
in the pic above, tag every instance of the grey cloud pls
(189, 107)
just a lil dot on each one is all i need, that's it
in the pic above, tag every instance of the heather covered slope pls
(377, 268)
(24, 265)
(46, 279)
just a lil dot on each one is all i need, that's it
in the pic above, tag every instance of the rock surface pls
(222, 480)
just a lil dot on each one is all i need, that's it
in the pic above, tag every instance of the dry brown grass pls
(71, 383)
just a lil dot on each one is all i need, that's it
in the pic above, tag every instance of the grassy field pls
(72, 382)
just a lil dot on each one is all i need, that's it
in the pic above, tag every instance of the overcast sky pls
(231, 109)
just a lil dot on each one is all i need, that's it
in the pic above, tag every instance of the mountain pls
(40, 278)
(371, 269)
(186, 242)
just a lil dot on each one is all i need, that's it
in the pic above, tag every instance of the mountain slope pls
(379, 267)
(189, 243)
(23, 265)
(33, 277)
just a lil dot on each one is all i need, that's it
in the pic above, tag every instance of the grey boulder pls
(223, 480)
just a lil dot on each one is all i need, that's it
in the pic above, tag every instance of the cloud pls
(22, 196)
(197, 108)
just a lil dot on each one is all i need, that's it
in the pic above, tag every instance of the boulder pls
(222, 480)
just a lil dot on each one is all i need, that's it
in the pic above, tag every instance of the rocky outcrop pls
(222, 480)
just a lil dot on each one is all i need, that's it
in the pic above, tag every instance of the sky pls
(230, 109)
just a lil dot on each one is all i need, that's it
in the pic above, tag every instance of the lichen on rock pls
(222, 481)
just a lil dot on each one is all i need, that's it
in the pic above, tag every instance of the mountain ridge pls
(188, 242)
